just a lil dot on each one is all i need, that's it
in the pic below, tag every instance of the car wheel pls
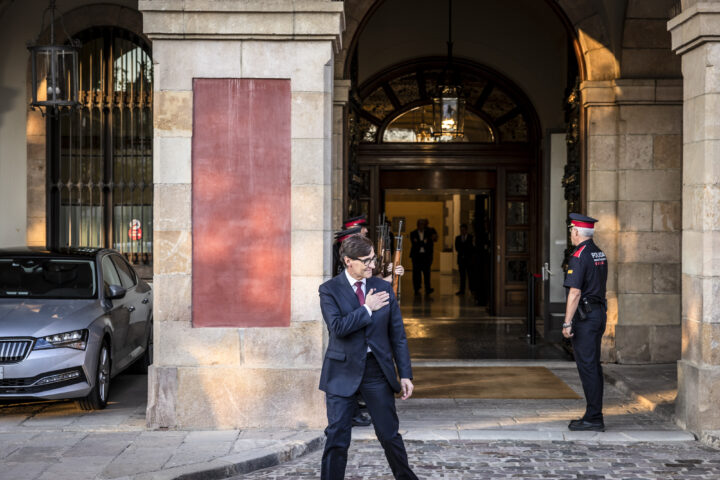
(98, 396)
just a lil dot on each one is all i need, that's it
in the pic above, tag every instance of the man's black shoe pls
(586, 426)
(459, 292)
(361, 420)
(430, 290)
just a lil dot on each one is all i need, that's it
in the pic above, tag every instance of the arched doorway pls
(496, 165)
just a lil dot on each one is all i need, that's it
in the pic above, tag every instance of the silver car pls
(70, 320)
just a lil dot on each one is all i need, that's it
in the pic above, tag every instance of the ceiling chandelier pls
(449, 101)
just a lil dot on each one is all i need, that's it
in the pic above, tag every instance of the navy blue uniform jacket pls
(352, 330)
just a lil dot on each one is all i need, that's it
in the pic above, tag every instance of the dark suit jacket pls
(464, 249)
(352, 329)
(426, 242)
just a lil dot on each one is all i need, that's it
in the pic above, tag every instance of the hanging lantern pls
(54, 71)
(448, 101)
(449, 112)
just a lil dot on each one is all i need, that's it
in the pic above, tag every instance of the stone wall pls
(240, 377)
(634, 189)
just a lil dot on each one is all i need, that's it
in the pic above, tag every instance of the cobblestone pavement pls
(523, 460)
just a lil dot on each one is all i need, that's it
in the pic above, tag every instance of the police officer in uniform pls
(585, 316)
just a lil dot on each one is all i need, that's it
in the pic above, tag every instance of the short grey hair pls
(585, 232)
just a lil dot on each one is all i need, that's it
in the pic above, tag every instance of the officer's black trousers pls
(421, 268)
(586, 347)
(380, 401)
(463, 269)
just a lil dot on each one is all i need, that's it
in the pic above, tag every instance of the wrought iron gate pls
(99, 177)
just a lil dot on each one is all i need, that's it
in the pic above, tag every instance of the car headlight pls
(76, 339)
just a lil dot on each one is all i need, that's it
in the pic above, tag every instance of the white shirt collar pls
(353, 281)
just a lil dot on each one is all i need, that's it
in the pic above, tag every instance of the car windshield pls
(40, 277)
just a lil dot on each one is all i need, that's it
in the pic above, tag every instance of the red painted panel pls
(241, 203)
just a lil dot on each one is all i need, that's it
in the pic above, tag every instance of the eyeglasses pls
(367, 261)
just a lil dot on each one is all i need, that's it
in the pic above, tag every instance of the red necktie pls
(359, 293)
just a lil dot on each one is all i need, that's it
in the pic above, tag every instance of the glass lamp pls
(54, 71)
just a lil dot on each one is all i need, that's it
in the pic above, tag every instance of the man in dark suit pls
(464, 249)
(421, 253)
(366, 333)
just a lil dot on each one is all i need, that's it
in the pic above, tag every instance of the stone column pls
(695, 37)
(633, 178)
(240, 377)
(340, 100)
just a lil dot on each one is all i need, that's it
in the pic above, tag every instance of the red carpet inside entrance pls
(489, 382)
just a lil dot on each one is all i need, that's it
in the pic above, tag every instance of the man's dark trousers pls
(380, 402)
(586, 340)
(421, 268)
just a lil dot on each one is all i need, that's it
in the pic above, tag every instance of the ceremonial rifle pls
(397, 261)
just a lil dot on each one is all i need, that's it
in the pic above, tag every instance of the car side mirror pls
(116, 291)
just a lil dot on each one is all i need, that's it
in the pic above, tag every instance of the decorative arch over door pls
(499, 154)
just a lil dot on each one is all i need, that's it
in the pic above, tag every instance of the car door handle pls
(131, 308)
(145, 300)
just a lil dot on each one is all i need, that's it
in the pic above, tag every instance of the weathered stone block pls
(603, 120)
(308, 166)
(305, 300)
(635, 278)
(297, 346)
(172, 297)
(312, 244)
(667, 151)
(635, 216)
(700, 165)
(306, 118)
(307, 211)
(648, 309)
(172, 251)
(653, 120)
(178, 344)
(711, 299)
(226, 23)
(698, 391)
(649, 247)
(648, 8)
(666, 278)
(232, 398)
(604, 151)
(665, 343)
(646, 33)
(667, 216)
(691, 345)
(650, 185)
(173, 113)
(692, 297)
(172, 206)
(177, 63)
(649, 62)
(632, 343)
(162, 395)
(172, 160)
(638, 152)
(602, 185)
(301, 62)
(710, 338)
(606, 213)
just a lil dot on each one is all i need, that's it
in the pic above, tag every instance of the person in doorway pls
(464, 248)
(585, 316)
(421, 254)
(367, 342)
